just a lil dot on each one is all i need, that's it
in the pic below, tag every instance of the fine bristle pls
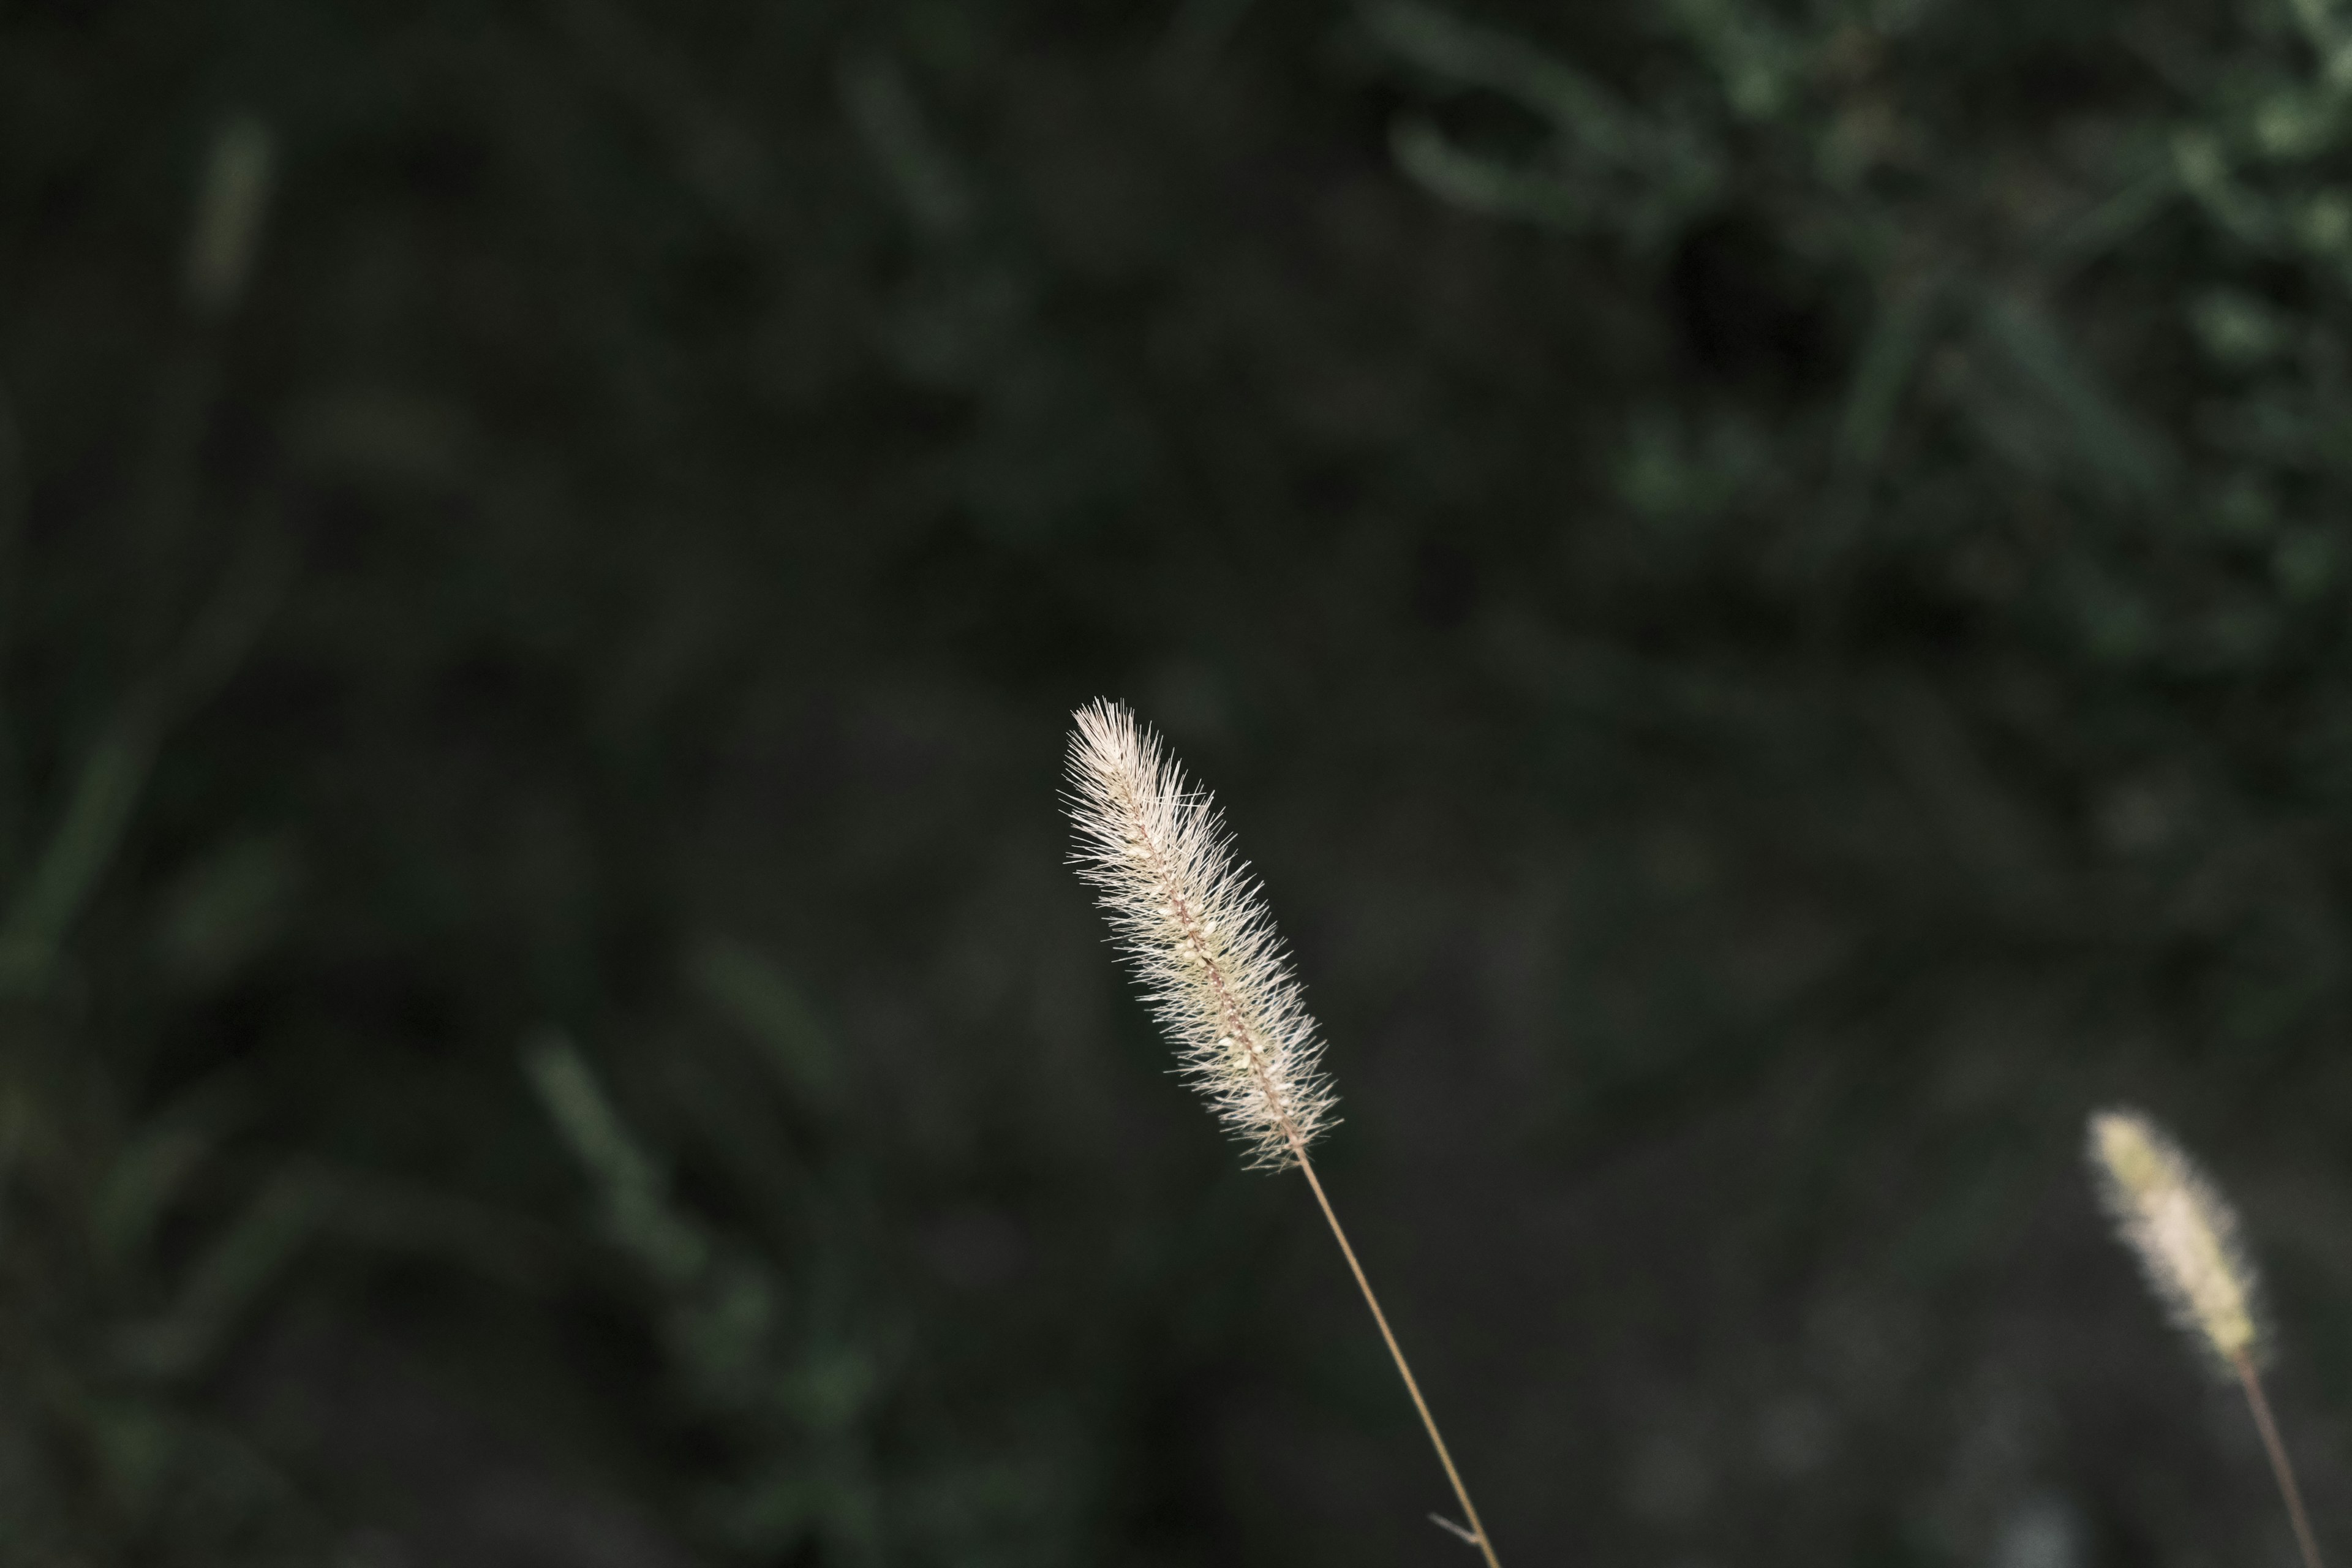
(1194, 924)
(2183, 1229)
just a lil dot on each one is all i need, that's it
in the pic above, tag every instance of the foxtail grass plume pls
(2183, 1229)
(2187, 1237)
(1193, 923)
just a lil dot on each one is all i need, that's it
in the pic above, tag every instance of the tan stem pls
(1461, 1492)
(2252, 1383)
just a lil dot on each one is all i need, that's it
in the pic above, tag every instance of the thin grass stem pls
(1404, 1368)
(2251, 1380)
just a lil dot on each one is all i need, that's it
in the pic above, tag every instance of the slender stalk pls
(2252, 1382)
(1461, 1492)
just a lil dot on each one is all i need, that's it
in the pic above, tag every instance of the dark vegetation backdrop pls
(1765, 582)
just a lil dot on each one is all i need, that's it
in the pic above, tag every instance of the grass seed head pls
(2185, 1232)
(1194, 926)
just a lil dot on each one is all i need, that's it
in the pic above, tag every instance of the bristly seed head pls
(2183, 1229)
(1194, 925)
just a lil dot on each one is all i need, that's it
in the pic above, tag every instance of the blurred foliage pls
(1764, 582)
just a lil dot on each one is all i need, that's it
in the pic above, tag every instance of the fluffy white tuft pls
(1194, 925)
(2185, 1232)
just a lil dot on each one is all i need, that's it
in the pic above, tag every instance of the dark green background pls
(1765, 584)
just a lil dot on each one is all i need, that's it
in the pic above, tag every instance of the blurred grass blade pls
(227, 1280)
(227, 909)
(2081, 239)
(104, 797)
(2116, 447)
(138, 1444)
(1196, 33)
(1471, 55)
(2204, 171)
(151, 1171)
(232, 204)
(18, 1111)
(637, 1212)
(759, 997)
(715, 154)
(1429, 157)
(388, 1214)
(1898, 338)
(1755, 61)
(771, 1516)
(883, 110)
(1605, 167)
(106, 791)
